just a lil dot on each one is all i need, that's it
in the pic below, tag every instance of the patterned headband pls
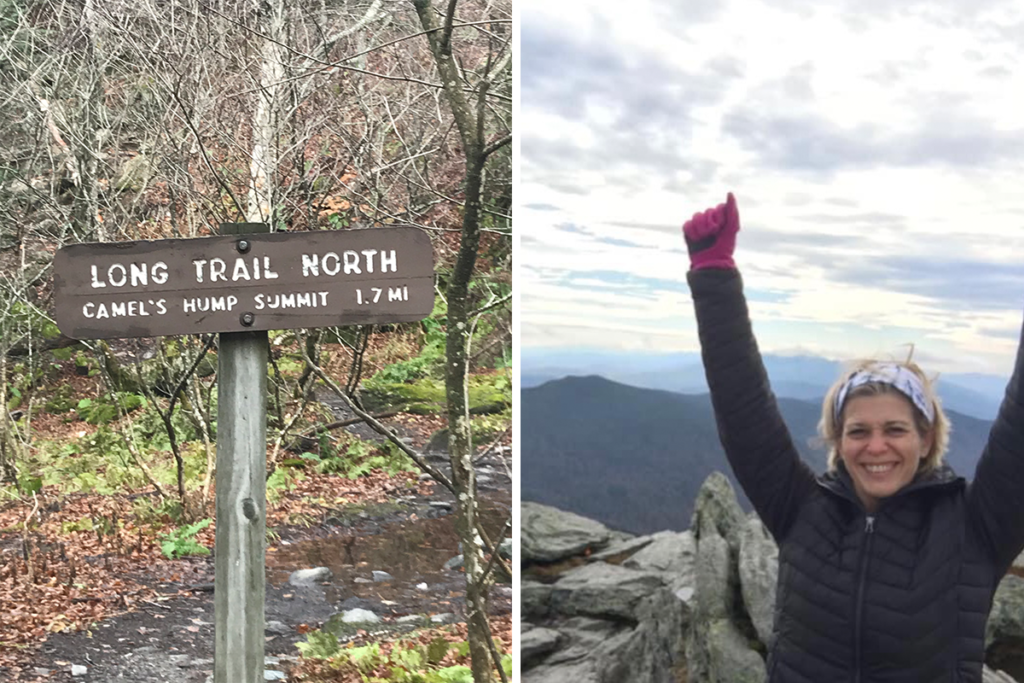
(896, 376)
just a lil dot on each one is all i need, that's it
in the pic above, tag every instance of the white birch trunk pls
(265, 122)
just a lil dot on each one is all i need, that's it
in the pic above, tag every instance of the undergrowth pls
(404, 661)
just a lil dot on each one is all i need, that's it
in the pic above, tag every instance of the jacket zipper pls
(869, 534)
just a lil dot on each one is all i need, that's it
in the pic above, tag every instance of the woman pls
(888, 562)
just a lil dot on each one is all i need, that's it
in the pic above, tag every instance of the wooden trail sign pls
(242, 283)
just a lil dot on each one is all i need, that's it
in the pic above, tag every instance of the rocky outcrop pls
(759, 571)
(550, 535)
(718, 643)
(601, 622)
(600, 606)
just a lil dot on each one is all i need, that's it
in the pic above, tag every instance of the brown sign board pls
(239, 283)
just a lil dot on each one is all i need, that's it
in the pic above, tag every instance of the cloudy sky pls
(876, 150)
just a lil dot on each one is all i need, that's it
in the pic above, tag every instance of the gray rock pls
(309, 577)
(671, 553)
(1006, 620)
(716, 510)
(581, 671)
(359, 616)
(505, 549)
(582, 652)
(454, 563)
(440, 504)
(730, 658)
(716, 650)
(535, 643)
(535, 598)
(39, 671)
(78, 670)
(548, 534)
(269, 675)
(758, 574)
(444, 618)
(382, 577)
(438, 442)
(715, 580)
(990, 676)
(604, 591)
(410, 619)
(181, 660)
(277, 628)
(620, 549)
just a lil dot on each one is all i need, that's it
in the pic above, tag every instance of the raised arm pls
(751, 429)
(994, 497)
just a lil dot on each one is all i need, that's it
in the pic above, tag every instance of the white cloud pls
(874, 147)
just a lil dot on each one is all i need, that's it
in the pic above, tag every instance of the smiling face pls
(881, 445)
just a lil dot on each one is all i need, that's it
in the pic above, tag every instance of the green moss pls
(487, 394)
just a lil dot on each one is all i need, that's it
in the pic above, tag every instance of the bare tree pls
(479, 142)
(147, 119)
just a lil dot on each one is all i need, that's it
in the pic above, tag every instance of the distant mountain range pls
(801, 377)
(634, 458)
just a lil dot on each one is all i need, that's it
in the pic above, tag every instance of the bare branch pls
(389, 434)
(445, 44)
(496, 145)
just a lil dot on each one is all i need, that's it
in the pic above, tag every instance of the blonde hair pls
(830, 428)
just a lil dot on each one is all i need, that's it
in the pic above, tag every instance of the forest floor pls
(97, 597)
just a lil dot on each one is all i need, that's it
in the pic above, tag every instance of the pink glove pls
(711, 236)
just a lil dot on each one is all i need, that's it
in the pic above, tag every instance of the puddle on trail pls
(412, 551)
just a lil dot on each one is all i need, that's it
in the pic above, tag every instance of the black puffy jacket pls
(899, 595)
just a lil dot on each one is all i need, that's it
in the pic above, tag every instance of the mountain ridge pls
(634, 458)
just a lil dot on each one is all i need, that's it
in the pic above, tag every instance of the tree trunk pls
(263, 168)
(457, 344)
(90, 136)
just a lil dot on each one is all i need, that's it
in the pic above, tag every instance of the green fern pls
(182, 542)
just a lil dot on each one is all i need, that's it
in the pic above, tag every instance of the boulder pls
(537, 642)
(717, 647)
(359, 616)
(1006, 620)
(990, 676)
(758, 574)
(604, 623)
(715, 580)
(309, 577)
(621, 549)
(671, 553)
(716, 509)
(696, 605)
(729, 657)
(548, 534)
(534, 598)
(588, 653)
(603, 591)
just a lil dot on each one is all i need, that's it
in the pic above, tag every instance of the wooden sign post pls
(241, 284)
(239, 594)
